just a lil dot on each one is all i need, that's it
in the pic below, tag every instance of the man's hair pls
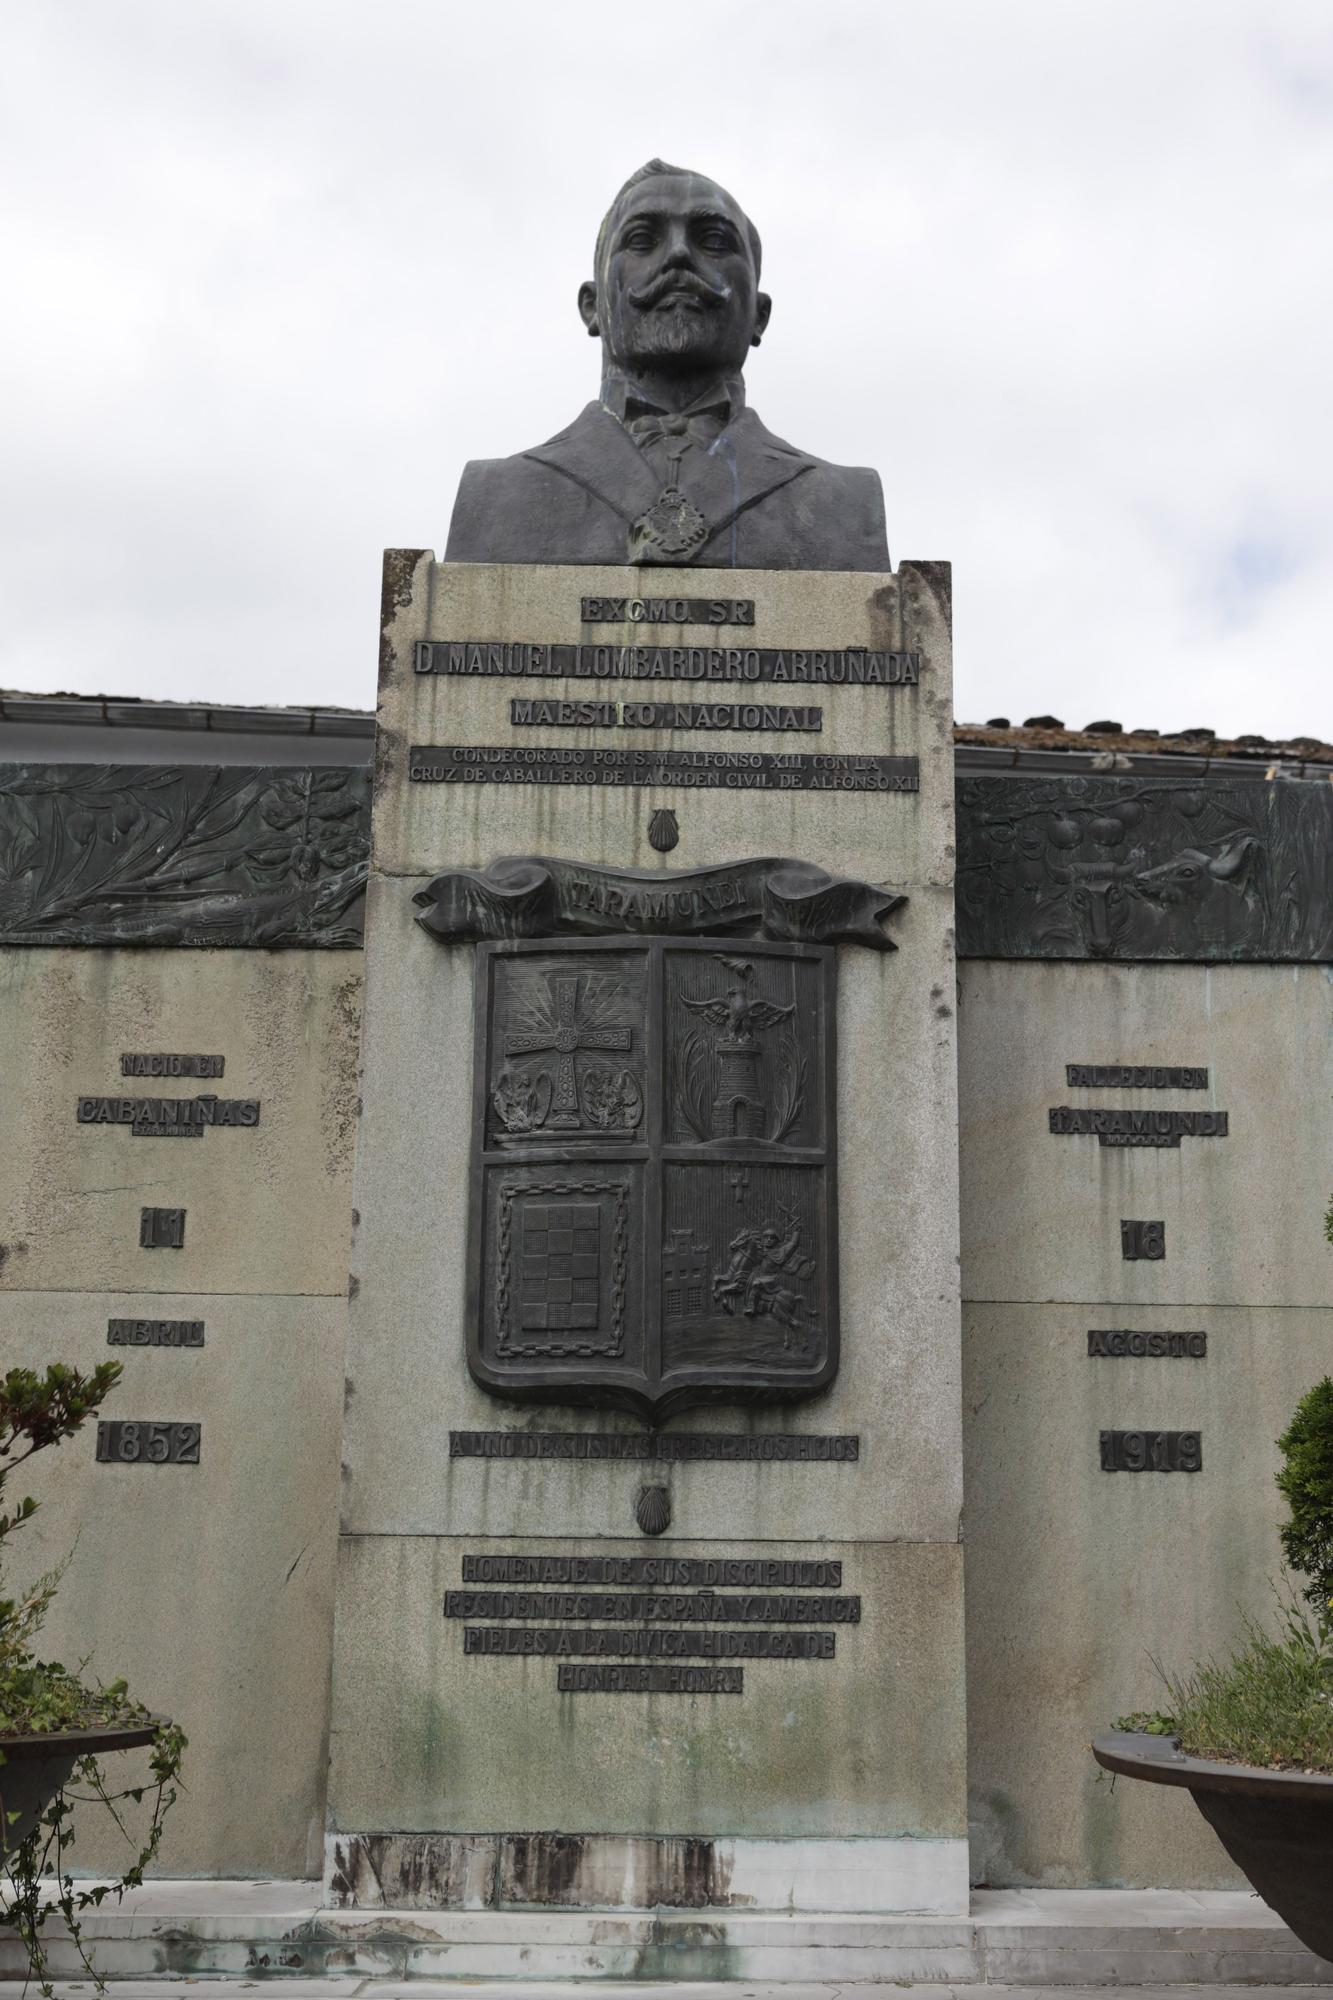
(656, 170)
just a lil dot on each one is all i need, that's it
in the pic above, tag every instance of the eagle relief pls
(727, 1099)
(653, 1166)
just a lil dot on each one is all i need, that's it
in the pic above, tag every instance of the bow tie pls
(698, 425)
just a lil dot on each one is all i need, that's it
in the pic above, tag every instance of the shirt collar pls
(623, 399)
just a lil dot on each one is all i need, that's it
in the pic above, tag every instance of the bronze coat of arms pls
(653, 1172)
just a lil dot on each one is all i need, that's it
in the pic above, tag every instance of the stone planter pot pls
(35, 1768)
(1277, 1826)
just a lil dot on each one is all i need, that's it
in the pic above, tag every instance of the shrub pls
(40, 1697)
(1306, 1484)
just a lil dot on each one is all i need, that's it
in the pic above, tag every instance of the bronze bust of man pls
(669, 465)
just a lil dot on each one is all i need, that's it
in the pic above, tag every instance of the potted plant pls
(1252, 1737)
(53, 1727)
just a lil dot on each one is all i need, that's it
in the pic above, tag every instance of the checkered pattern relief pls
(561, 1265)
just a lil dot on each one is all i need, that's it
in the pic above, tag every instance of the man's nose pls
(677, 250)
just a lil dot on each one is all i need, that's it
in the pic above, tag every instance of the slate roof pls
(1111, 740)
(1039, 742)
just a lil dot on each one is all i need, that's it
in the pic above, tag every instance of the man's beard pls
(674, 332)
(678, 317)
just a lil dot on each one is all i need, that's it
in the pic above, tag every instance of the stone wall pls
(208, 1585)
(1078, 1578)
(1195, 939)
(864, 1743)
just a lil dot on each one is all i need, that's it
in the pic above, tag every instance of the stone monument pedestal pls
(650, 1582)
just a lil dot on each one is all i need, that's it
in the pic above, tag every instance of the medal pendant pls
(672, 531)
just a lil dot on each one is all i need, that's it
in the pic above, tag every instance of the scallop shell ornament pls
(663, 830)
(652, 1509)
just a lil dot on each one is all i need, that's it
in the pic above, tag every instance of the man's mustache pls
(677, 283)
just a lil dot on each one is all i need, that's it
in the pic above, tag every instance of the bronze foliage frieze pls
(195, 855)
(1091, 867)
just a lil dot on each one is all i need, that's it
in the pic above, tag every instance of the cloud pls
(1059, 272)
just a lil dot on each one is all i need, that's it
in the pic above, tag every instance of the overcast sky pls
(1060, 269)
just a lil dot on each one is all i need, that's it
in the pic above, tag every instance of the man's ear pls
(763, 306)
(588, 307)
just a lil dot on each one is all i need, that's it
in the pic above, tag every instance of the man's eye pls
(718, 239)
(638, 239)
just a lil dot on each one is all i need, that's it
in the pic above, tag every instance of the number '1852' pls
(132, 1441)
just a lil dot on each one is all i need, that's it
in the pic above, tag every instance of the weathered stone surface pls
(868, 1743)
(209, 1933)
(897, 838)
(897, 1385)
(577, 1871)
(427, 1871)
(208, 1587)
(428, 1740)
(1243, 1214)
(266, 1206)
(1079, 1579)
(573, 1872)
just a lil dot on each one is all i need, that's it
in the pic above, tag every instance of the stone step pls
(562, 1989)
(222, 1933)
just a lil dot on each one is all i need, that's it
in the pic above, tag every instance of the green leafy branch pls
(37, 1871)
(41, 1697)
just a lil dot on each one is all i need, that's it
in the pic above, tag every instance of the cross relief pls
(564, 1033)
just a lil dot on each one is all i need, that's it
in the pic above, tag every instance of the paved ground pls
(585, 1989)
(262, 1940)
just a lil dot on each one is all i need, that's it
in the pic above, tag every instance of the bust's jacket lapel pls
(742, 466)
(598, 454)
